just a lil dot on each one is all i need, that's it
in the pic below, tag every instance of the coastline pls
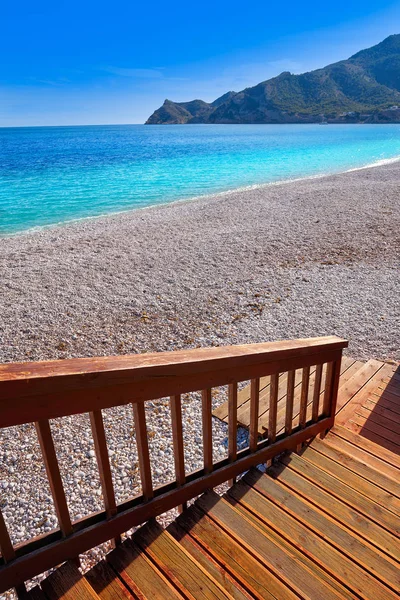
(295, 226)
(216, 195)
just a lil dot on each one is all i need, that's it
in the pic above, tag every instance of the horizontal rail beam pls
(48, 555)
(36, 391)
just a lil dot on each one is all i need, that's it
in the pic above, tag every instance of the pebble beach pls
(305, 258)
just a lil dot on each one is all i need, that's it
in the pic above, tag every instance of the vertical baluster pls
(305, 381)
(143, 449)
(254, 404)
(103, 462)
(177, 438)
(328, 389)
(53, 473)
(232, 424)
(273, 411)
(207, 430)
(289, 402)
(304, 397)
(273, 407)
(317, 392)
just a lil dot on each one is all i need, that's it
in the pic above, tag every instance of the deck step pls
(270, 553)
(369, 446)
(358, 467)
(186, 574)
(107, 584)
(66, 583)
(229, 551)
(350, 496)
(324, 542)
(139, 574)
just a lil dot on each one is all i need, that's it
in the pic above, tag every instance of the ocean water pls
(50, 175)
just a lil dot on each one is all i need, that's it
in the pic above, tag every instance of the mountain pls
(363, 89)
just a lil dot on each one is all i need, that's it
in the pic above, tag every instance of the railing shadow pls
(382, 416)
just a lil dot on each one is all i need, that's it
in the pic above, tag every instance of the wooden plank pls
(316, 572)
(360, 554)
(369, 446)
(143, 450)
(206, 407)
(351, 479)
(370, 434)
(106, 583)
(359, 378)
(380, 419)
(218, 572)
(289, 403)
(360, 468)
(293, 573)
(367, 428)
(317, 392)
(68, 387)
(359, 388)
(255, 395)
(339, 566)
(53, 474)
(273, 407)
(304, 397)
(259, 582)
(390, 388)
(103, 462)
(139, 574)
(325, 501)
(385, 401)
(50, 551)
(359, 454)
(383, 411)
(344, 493)
(67, 583)
(186, 574)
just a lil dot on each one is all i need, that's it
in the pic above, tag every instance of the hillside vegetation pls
(363, 89)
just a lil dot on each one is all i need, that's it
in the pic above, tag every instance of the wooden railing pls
(38, 392)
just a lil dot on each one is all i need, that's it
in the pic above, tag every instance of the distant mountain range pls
(363, 89)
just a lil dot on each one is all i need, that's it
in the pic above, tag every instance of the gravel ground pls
(313, 257)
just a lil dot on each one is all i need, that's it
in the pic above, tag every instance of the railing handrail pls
(33, 391)
(38, 392)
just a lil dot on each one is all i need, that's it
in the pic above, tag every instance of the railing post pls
(331, 390)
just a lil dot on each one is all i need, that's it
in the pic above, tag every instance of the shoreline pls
(215, 195)
(143, 265)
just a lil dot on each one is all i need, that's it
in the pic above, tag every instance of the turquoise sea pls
(50, 175)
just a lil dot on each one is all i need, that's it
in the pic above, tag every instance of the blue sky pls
(115, 62)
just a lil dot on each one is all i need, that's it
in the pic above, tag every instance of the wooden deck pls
(320, 523)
